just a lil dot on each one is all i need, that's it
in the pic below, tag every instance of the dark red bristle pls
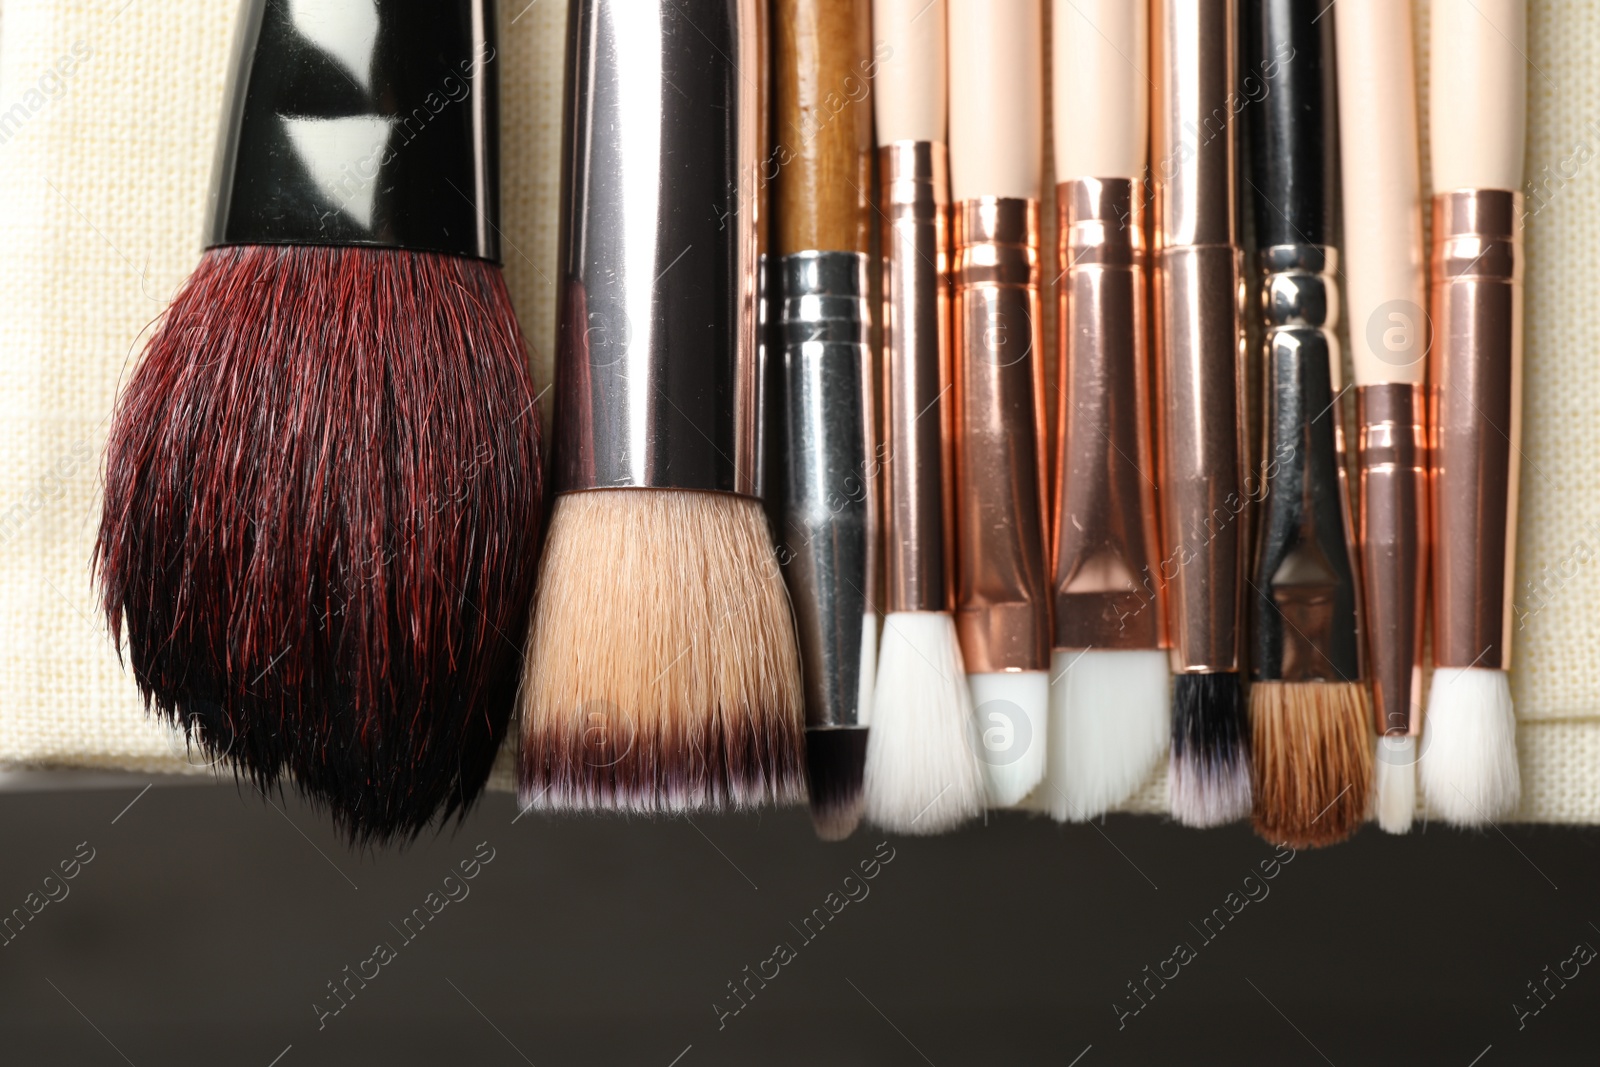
(321, 520)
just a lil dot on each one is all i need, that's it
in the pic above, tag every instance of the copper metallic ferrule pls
(1106, 550)
(1475, 369)
(1200, 346)
(918, 411)
(1002, 591)
(1392, 465)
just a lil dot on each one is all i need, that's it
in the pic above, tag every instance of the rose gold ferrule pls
(1475, 301)
(1200, 343)
(1392, 466)
(1106, 559)
(918, 411)
(1002, 590)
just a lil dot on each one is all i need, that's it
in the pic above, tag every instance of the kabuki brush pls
(1002, 582)
(1200, 410)
(1310, 722)
(1384, 277)
(827, 525)
(1109, 695)
(1476, 114)
(922, 773)
(662, 673)
(322, 482)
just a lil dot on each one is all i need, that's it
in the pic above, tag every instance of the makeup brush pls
(322, 482)
(922, 772)
(1109, 695)
(1310, 722)
(1200, 414)
(1477, 113)
(1002, 585)
(662, 673)
(827, 526)
(1383, 273)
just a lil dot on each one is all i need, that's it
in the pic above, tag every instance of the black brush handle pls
(361, 122)
(1287, 92)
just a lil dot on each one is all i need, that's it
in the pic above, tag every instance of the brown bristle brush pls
(662, 673)
(1310, 721)
(322, 481)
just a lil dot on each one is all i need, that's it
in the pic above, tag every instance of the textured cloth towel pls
(108, 118)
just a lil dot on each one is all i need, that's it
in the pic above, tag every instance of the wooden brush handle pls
(822, 86)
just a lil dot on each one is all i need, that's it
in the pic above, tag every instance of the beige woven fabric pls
(105, 156)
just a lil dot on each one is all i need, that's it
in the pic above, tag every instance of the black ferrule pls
(1286, 82)
(361, 122)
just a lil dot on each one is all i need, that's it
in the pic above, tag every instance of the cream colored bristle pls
(662, 673)
(1311, 745)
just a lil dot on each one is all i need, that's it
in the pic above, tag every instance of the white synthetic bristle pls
(1469, 746)
(1109, 725)
(922, 769)
(1397, 783)
(1012, 712)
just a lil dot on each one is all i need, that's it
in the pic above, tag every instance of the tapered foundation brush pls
(1477, 115)
(322, 482)
(827, 526)
(1200, 409)
(922, 771)
(662, 673)
(1310, 721)
(1002, 581)
(1384, 276)
(1109, 693)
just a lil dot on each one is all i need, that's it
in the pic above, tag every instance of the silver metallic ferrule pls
(827, 528)
(657, 375)
(1306, 601)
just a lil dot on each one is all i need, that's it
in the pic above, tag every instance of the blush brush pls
(1477, 115)
(827, 503)
(1310, 721)
(1385, 276)
(1109, 696)
(322, 481)
(662, 673)
(1200, 408)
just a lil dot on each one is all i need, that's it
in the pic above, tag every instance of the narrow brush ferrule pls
(917, 467)
(1306, 600)
(657, 370)
(827, 529)
(1392, 461)
(1106, 556)
(373, 123)
(1475, 298)
(1199, 308)
(1002, 587)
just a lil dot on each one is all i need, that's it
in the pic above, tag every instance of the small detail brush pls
(1310, 722)
(1002, 584)
(1384, 282)
(662, 673)
(1109, 698)
(1477, 113)
(322, 494)
(1200, 410)
(922, 774)
(827, 507)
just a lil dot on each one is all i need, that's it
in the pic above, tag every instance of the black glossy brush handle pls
(361, 122)
(1287, 91)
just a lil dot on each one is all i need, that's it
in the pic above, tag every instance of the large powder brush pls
(322, 481)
